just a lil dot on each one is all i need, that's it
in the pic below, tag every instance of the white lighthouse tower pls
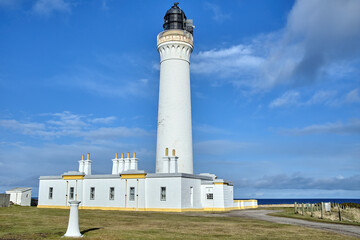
(174, 131)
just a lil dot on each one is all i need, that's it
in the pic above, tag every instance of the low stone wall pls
(4, 200)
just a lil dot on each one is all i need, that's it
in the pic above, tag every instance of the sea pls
(262, 201)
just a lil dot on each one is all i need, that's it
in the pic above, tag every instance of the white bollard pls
(73, 227)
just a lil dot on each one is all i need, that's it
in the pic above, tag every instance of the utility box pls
(4, 200)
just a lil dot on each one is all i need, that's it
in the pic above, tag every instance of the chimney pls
(115, 168)
(87, 165)
(81, 164)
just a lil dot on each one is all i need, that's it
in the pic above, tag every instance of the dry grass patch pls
(349, 216)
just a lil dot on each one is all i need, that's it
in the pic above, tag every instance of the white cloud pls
(105, 120)
(322, 97)
(28, 128)
(69, 124)
(226, 61)
(288, 98)
(318, 36)
(317, 33)
(298, 181)
(46, 7)
(351, 127)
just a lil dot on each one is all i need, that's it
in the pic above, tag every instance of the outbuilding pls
(20, 196)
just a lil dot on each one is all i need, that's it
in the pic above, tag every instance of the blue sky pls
(275, 91)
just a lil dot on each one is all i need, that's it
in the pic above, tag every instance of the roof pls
(19, 189)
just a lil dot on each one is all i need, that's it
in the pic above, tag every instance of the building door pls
(192, 197)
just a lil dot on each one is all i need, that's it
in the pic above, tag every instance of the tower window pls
(50, 193)
(112, 193)
(132, 194)
(163, 194)
(92, 193)
(71, 194)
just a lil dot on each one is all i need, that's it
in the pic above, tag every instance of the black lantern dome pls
(175, 19)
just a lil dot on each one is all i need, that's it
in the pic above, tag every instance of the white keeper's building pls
(173, 187)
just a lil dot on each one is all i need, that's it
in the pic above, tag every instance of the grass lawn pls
(33, 223)
(289, 212)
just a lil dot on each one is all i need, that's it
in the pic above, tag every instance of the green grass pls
(33, 223)
(289, 213)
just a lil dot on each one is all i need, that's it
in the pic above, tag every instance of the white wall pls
(186, 184)
(102, 192)
(173, 192)
(147, 193)
(207, 188)
(59, 192)
(26, 198)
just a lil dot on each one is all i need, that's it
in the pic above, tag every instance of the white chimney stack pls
(87, 165)
(81, 164)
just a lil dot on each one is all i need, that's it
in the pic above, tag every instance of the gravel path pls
(262, 215)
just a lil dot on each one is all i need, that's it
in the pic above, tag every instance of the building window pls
(163, 194)
(132, 194)
(92, 193)
(210, 196)
(112, 193)
(50, 193)
(71, 194)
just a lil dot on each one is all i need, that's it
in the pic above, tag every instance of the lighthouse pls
(174, 130)
(174, 187)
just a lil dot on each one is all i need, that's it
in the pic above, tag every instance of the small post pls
(312, 210)
(302, 209)
(322, 210)
(295, 208)
(73, 226)
(339, 214)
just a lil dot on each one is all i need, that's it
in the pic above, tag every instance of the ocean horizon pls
(262, 201)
